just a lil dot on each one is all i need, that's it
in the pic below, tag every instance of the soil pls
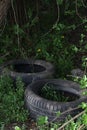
(28, 125)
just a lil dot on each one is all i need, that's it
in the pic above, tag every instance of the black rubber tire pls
(39, 106)
(27, 78)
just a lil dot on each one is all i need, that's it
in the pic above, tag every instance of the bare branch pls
(75, 117)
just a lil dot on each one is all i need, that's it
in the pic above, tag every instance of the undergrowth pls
(12, 101)
(49, 92)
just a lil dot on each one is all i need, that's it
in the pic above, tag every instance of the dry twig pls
(75, 117)
(83, 4)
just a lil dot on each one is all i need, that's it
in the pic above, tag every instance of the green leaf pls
(84, 118)
(42, 120)
(82, 35)
(58, 113)
(17, 128)
(83, 105)
(52, 129)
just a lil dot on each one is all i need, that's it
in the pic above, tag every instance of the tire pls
(39, 106)
(23, 68)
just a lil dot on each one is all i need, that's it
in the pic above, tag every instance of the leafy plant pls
(17, 128)
(12, 100)
(23, 127)
(42, 120)
(83, 82)
(49, 92)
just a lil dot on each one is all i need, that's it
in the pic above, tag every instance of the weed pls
(17, 128)
(12, 100)
(49, 92)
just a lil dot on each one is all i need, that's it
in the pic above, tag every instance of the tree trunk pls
(4, 5)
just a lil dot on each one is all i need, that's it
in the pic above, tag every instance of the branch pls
(83, 4)
(74, 76)
(3, 27)
(81, 127)
(4, 55)
(85, 69)
(77, 11)
(15, 22)
(60, 128)
(71, 109)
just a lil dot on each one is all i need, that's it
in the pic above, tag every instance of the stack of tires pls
(35, 74)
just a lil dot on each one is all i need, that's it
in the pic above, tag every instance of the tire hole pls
(27, 68)
(53, 94)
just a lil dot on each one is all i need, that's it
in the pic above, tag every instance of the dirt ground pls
(28, 125)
